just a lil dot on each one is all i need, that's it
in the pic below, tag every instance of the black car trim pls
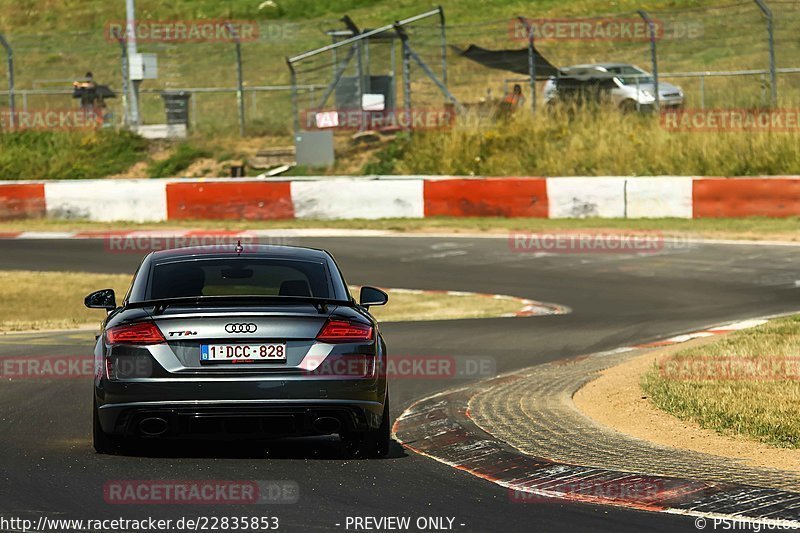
(162, 303)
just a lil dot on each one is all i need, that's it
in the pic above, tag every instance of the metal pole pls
(702, 92)
(296, 118)
(125, 73)
(10, 58)
(531, 62)
(360, 85)
(130, 29)
(653, 54)
(770, 33)
(444, 45)
(356, 38)
(407, 83)
(239, 78)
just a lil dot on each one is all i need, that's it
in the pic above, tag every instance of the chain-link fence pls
(719, 56)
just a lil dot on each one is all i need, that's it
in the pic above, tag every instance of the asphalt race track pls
(50, 469)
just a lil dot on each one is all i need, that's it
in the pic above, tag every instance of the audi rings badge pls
(247, 327)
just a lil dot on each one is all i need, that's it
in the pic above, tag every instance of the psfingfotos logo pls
(585, 29)
(631, 489)
(400, 366)
(721, 119)
(50, 119)
(356, 119)
(200, 492)
(591, 242)
(173, 31)
(731, 369)
(139, 244)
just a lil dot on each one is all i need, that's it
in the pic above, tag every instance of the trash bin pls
(176, 104)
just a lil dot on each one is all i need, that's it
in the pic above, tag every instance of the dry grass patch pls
(54, 300)
(746, 383)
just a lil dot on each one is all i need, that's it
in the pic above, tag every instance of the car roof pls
(247, 250)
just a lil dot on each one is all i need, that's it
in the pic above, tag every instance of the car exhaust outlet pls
(326, 425)
(153, 426)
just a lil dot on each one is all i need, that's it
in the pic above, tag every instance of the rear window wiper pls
(161, 304)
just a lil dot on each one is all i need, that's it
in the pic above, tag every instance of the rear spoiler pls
(160, 304)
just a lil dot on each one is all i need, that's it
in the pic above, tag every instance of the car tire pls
(103, 442)
(376, 441)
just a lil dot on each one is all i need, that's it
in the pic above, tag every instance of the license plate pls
(242, 353)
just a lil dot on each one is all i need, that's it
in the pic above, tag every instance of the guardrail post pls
(773, 79)
(653, 53)
(10, 58)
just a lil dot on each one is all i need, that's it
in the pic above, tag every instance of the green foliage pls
(180, 159)
(45, 155)
(386, 159)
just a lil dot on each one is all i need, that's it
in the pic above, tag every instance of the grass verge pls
(591, 142)
(755, 228)
(746, 383)
(68, 155)
(54, 300)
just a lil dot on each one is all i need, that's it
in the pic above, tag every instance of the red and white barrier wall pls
(402, 197)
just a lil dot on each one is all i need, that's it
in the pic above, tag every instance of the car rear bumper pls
(268, 407)
(236, 420)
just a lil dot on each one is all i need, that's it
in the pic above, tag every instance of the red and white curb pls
(440, 427)
(372, 197)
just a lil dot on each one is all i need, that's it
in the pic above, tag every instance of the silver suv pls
(627, 86)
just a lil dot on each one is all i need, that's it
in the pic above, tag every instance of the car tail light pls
(344, 331)
(141, 333)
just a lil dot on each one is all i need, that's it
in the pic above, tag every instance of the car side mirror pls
(372, 296)
(102, 299)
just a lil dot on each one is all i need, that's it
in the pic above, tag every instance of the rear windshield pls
(239, 277)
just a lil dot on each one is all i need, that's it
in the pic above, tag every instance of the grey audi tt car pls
(240, 342)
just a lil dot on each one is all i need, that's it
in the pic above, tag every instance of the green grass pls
(708, 384)
(59, 155)
(592, 142)
(182, 156)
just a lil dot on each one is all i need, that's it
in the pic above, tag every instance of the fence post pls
(531, 61)
(125, 72)
(702, 92)
(444, 45)
(295, 117)
(239, 77)
(771, 36)
(10, 57)
(407, 82)
(653, 53)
